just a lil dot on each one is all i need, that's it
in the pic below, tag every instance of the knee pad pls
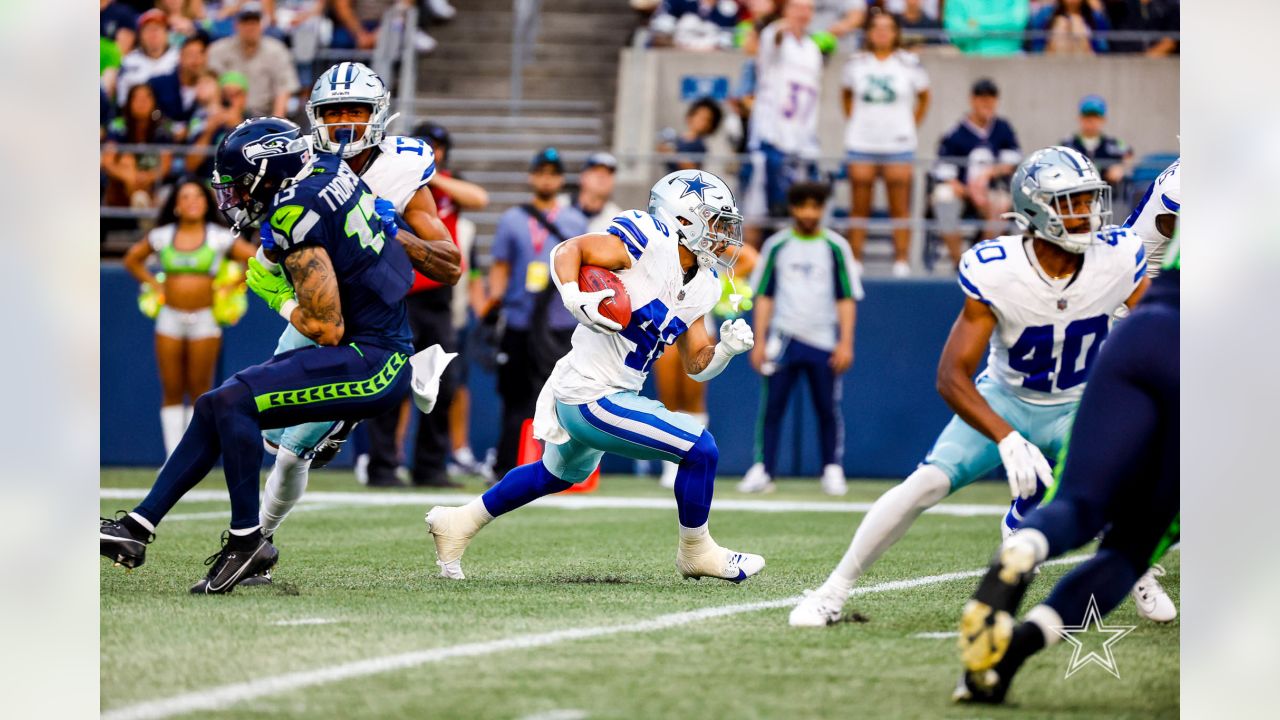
(704, 451)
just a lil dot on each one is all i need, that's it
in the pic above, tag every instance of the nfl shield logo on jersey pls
(1062, 303)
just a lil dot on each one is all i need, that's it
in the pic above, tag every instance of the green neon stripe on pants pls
(334, 391)
(1170, 537)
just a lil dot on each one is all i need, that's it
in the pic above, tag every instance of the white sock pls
(1046, 618)
(691, 537)
(244, 531)
(702, 418)
(187, 412)
(173, 421)
(478, 512)
(143, 522)
(886, 522)
(285, 485)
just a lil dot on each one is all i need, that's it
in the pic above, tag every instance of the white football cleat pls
(668, 479)
(452, 530)
(819, 608)
(756, 480)
(704, 558)
(833, 482)
(1152, 601)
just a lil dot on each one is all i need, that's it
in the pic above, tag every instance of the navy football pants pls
(305, 385)
(1121, 472)
(799, 359)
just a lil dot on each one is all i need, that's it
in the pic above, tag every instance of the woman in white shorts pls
(191, 248)
(886, 95)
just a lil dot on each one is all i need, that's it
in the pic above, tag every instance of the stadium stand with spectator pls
(264, 61)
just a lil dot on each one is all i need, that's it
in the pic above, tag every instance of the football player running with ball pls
(666, 260)
(1044, 302)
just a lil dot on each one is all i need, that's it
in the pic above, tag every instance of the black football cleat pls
(329, 447)
(120, 545)
(236, 560)
(262, 578)
(985, 687)
(987, 621)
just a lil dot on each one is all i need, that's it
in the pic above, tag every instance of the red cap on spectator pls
(152, 15)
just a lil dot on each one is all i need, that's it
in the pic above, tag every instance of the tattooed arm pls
(696, 348)
(431, 250)
(319, 311)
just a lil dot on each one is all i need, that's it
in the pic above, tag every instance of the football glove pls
(736, 337)
(386, 212)
(585, 307)
(274, 289)
(1023, 464)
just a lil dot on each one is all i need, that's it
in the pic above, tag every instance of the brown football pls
(617, 308)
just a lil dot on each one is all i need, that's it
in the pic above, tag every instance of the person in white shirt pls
(784, 121)
(886, 95)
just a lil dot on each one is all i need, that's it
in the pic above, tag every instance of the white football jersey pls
(884, 101)
(789, 90)
(1163, 197)
(1048, 330)
(399, 168)
(663, 306)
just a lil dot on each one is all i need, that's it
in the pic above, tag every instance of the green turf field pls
(356, 582)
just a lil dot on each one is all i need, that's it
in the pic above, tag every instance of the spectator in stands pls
(886, 96)
(695, 24)
(1072, 27)
(264, 61)
(538, 328)
(918, 26)
(701, 121)
(176, 91)
(986, 27)
(594, 198)
(975, 160)
(452, 195)
(118, 23)
(838, 17)
(182, 16)
(1151, 16)
(220, 107)
(192, 247)
(1112, 156)
(807, 287)
(152, 57)
(784, 127)
(133, 178)
(356, 24)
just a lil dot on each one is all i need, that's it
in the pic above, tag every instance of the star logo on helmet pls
(695, 186)
(1033, 171)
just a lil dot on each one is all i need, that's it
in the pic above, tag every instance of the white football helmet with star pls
(699, 208)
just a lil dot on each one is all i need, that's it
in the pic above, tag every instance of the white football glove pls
(585, 307)
(1023, 464)
(736, 337)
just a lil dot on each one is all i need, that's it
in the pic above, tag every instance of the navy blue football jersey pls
(332, 208)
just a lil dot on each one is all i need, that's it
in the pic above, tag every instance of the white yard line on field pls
(223, 696)
(564, 714)
(572, 502)
(305, 621)
(937, 635)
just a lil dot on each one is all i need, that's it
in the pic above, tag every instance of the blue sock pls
(1020, 508)
(223, 422)
(696, 481)
(522, 486)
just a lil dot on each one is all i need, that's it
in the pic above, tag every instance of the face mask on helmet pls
(1072, 217)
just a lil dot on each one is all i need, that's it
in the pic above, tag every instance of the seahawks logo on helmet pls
(272, 145)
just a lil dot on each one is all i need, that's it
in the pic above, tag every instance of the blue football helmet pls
(258, 159)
